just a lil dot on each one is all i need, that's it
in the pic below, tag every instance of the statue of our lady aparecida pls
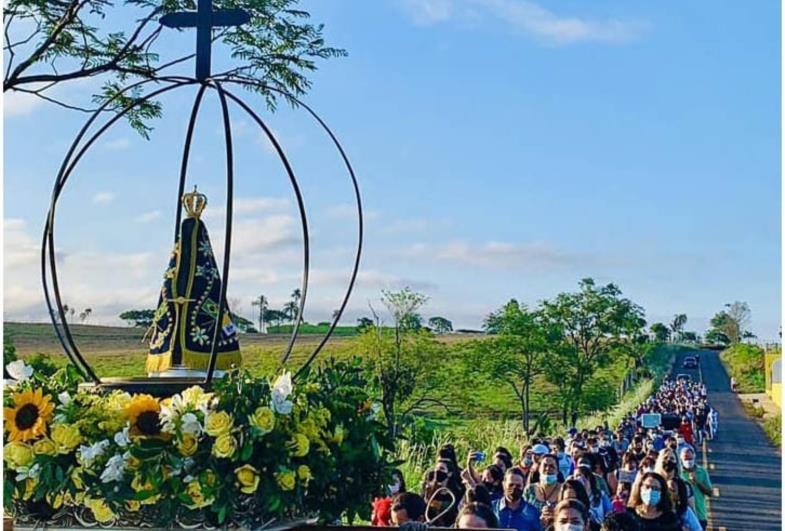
(184, 324)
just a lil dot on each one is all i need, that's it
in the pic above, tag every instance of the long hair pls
(635, 495)
(596, 493)
(580, 491)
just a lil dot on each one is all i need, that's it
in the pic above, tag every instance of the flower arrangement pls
(247, 452)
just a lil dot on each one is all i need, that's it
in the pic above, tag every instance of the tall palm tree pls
(677, 325)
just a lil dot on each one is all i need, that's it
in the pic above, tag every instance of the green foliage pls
(729, 325)
(440, 325)
(594, 323)
(140, 318)
(773, 428)
(746, 364)
(326, 454)
(518, 352)
(9, 350)
(278, 48)
(661, 332)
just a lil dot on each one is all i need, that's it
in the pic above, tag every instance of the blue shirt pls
(525, 518)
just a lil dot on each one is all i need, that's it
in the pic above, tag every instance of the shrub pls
(746, 364)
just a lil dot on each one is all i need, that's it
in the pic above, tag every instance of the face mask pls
(688, 463)
(527, 461)
(549, 479)
(515, 494)
(569, 527)
(650, 497)
(648, 469)
(394, 488)
(595, 449)
(669, 466)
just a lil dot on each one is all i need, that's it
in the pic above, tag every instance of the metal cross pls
(204, 20)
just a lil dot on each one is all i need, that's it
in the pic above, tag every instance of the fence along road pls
(745, 468)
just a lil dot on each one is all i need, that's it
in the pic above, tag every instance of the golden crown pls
(194, 203)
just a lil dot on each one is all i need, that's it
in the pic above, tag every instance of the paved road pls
(745, 468)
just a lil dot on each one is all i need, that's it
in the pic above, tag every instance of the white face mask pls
(394, 488)
(569, 527)
(688, 463)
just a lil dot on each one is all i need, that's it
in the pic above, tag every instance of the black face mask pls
(492, 487)
(669, 466)
(515, 494)
(438, 476)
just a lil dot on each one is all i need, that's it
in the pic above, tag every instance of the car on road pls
(690, 362)
(683, 377)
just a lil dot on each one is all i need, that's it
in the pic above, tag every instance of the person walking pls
(698, 478)
(512, 511)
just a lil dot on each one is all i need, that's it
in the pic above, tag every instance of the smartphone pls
(479, 456)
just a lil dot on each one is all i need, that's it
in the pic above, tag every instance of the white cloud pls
(20, 103)
(528, 17)
(19, 248)
(148, 217)
(103, 198)
(117, 144)
(494, 254)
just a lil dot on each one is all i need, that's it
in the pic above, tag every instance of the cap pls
(540, 449)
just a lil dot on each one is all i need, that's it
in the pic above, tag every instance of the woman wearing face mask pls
(651, 504)
(599, 502)
(677, 490)
(570, 515)
(622, 497)
(545, 493)
(382, 514)
(566, 464)
(441, 504)
(527, 460)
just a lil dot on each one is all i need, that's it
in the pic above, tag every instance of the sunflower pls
(27, 419)
(143, 413)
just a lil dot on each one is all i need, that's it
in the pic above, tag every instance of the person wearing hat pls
(538, 450)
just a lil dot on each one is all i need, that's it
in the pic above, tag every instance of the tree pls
(661, 332)
(593, 324)
(440, 325)
(677, 325)
(294, 305)
(729, 325)
(412, 321)
(276, 317)
(692, 337)
(517, 353)
(363, 323)
(85, 314)
(139, 318)
(290, 311)
(400, 361)
(51, 43)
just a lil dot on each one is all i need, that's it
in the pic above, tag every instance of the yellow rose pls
(55, 501)
(299, 445)
(44, 446)
(262, 419)
(218, 423)
(140, 485)
(188, 445)
(198, 499)
(248, 478)
(209, 478)
(133, 506)
(18, 454)
(100, 509)
(285, 479)
(76, 478)
(195, 395)
(224, 446)
(66, 437)
(30, 485)
(117, 401)
(304, 473)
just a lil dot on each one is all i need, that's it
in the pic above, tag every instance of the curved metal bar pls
(60, 182)
(55, 192)
(360, 224)
(186, 154)
(227, 233)
(303, 218)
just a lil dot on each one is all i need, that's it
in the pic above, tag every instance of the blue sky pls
(505, 148)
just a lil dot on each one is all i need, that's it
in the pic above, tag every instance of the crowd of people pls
(644, 476)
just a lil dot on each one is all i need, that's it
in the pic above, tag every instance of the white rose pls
(19, 370)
